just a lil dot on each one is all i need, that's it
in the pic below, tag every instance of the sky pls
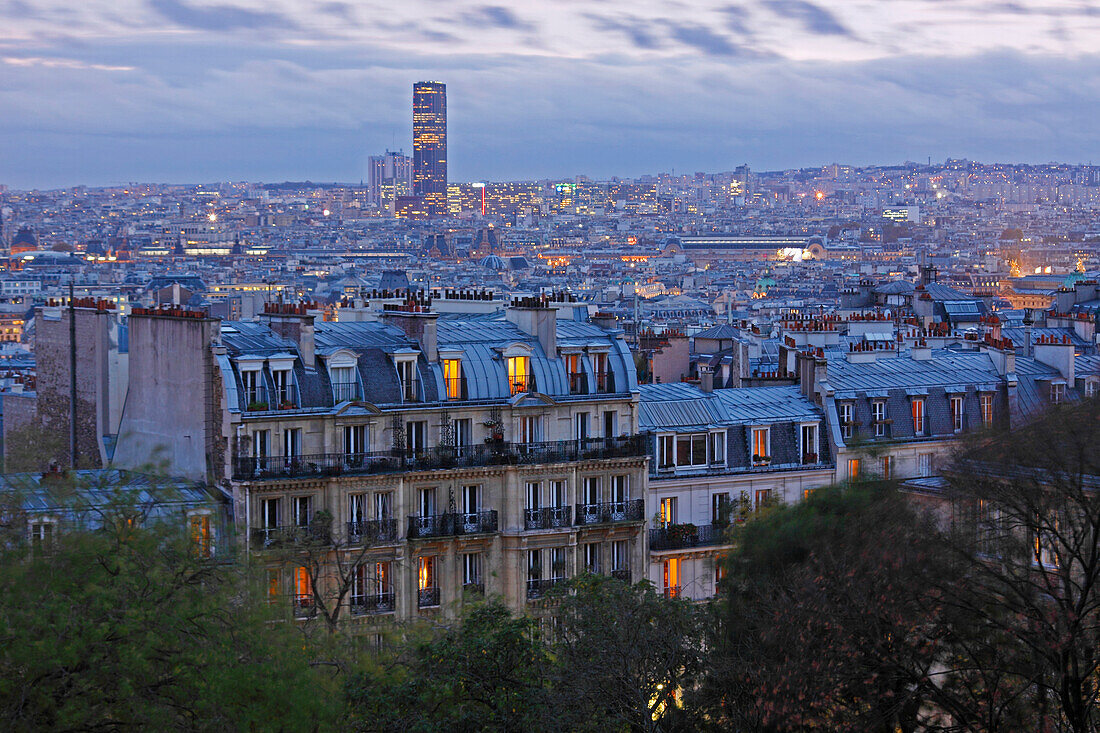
(111, 91)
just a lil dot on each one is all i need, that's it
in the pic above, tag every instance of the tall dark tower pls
(430, 145)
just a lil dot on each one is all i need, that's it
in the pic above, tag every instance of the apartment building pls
(717, 458)
(445, 456)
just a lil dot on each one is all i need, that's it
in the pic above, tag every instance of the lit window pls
(452, 376)
(887, 466)
(671, 577)
(986, 402)
(668, 510)
(200, 535)
(760, 448)
(853, 468)
(918, 416)
(425, 577)
(519, 373)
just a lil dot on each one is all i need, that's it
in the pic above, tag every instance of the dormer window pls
(878, 417)
(604, 382)
(406, 375)
(1090, 388)
(284, 387)
(519, 374)
(1057, 393)
(578, 380)
(761, 446)
(918, 416)
(452, 378)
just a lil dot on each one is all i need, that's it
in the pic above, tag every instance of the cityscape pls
(738, 449)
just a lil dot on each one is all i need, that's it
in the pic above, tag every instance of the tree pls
(127, 627)
(486, 673)
(624, 656)
(1028, 509)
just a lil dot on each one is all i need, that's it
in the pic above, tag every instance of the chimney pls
(1056, 352)
(1002, 354)
(292, 321)
(416, 320)
(535, 318)
(706, 378)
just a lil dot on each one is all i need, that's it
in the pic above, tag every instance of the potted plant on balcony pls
(256, 406)
(809, 458)
(758, 460)
(681, 534)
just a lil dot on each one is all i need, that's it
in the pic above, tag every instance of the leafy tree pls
(486, 673)
(127, 628)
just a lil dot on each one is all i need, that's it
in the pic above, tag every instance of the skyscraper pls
(430, 145)
(390, 176)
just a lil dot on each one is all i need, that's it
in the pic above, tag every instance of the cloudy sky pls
(102, 91)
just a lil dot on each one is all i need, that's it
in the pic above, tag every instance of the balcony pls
(631, 510)
(455, 388)
(427, 598)
(605, 382)
(373, 603)
(681, 536)
(440, 457)
(451, 525)
(550, 517)
(578, 383)
(372, 531)
(270, 537)
(538, 588)
(346, 392)
(672, 591)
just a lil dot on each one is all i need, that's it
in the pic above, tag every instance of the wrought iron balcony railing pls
(672, 591)
(346, 392)
(372, 603)
(549, 517)
(451, 525)
(427, 597)
(578, 383)
(631, 510)
(679, 536)
(539, 588)
(372, 531)
(440, 457)
(271, 537)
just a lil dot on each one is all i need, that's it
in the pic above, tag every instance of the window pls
(986, 402)
(299, 510)
(464, 434)
(254, 393)
(519, 374)
(763, 498)
(878, 417)
(425, 575)
(283, 387)
(416, 436)
(667, 513)
(578, 381)
(721, 507)
(761, 450)
(471, 500)
(1057, 393)
(844, 413)
(717, 449)
(603, 376)
(809, 444)
(357, 508)
(666, 446)
(691, 450)
(427, 502)
(918, 416)
(853, 469)
(610, 424)
(592, 557)
(371, 586)
(201, 538)
(260, 441)
(534, 566)
(1090, 388)
(42, 535)
(345, 387)
(592, 490)
(292, 442)
(557, 563)
(670, 577)
(452, 378)
(303, 591)
(557, 493)
(355, 439)
(957, 414)
(406, 375)
(887, 466)
(534, 491)
(581, 422)
(924, 464)
(383, 505)
(269, 513)
(530, 429)
(620, 559)
(620, 488)
(471, 570)
(274, 584)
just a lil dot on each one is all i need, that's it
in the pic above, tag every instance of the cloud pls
(60, 63)
(638, 31)
(218, 17)
(813, 17)
(495, 16)
(703, 39)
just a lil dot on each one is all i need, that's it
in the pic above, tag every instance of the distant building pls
(390, 176)
(430, 146)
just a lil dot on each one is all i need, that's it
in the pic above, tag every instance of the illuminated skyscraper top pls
(430, 145)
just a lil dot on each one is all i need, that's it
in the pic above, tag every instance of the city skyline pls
(171, 90)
